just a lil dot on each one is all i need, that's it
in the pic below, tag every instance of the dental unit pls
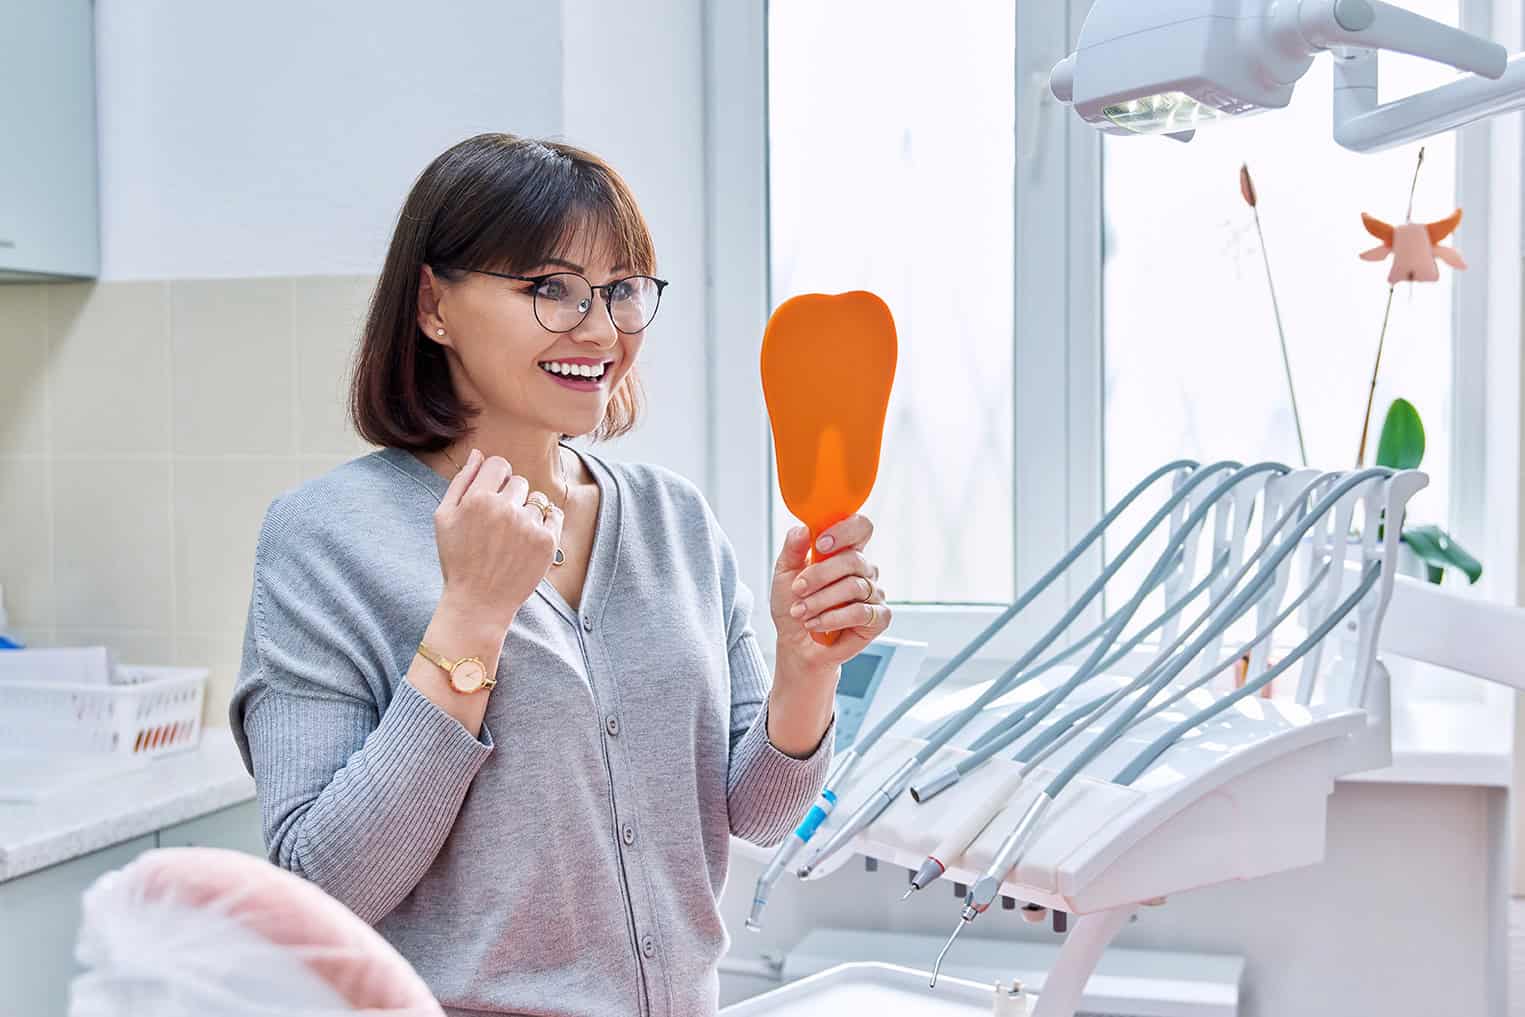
(901, 777)
(842, 770)
(1146, 747)
(983, 893)
(1074, 722)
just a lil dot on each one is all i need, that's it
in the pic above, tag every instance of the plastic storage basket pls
(145, 712)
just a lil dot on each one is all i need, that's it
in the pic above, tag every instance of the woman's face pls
(518, 369)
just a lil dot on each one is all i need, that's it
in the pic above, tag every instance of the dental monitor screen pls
(855, 691)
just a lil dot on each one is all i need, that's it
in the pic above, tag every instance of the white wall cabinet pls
(49, 209)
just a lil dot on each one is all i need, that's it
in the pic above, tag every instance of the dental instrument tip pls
(938, 965)
(907, 894)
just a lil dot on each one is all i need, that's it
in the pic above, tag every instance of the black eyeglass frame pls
(607, 288)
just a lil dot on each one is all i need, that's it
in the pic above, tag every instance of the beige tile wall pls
(144, 428)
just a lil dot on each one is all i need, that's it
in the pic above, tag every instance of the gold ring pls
(540, 502)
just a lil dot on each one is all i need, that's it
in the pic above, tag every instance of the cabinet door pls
(39, 921)
(236, 828)
(49, 224)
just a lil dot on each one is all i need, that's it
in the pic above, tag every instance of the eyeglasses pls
(563, 299)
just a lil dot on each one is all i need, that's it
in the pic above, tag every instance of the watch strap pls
(434, 657)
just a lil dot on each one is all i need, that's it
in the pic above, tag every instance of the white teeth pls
(592, 371)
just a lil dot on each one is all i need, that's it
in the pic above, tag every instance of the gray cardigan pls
(569, 860)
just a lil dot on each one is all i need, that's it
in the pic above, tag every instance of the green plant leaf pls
(1436, 549)
(1401, 446)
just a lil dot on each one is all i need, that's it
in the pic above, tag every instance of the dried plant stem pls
(1286, 362)
(1371, 393)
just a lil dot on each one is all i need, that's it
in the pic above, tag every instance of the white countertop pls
(1441, 742)
(91, 816)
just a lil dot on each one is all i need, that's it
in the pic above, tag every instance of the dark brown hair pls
(496, 202)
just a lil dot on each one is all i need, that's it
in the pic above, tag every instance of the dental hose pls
(987, 888)
(900, 779)
(1017, 714)
(1151, 752)
(838, 778)
(1068, 727)
(1059, 734)
(1021, 722)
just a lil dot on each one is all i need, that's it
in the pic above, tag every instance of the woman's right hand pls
(493, 548)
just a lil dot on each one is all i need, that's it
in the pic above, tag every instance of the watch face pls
(467, 676)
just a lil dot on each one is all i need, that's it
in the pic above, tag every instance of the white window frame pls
(1058, 482)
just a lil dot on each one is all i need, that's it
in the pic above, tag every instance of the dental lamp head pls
(1171, 66)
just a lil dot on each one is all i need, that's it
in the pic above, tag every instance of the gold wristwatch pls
(466, 675)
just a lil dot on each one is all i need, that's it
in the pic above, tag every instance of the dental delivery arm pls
(901, 777)
(1060, 734)
(984, 891)
(842, 770)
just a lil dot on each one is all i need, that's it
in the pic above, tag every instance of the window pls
(1072, 309)
(891, 156)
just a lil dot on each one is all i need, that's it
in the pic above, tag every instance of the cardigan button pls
(612, 725)
(587, 624)
(627, 834)
(648, 946)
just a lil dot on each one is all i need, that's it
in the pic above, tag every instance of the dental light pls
(1171, 66)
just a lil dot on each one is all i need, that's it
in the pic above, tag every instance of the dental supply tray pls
(886, 990)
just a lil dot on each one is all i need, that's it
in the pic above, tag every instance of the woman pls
(499, 696)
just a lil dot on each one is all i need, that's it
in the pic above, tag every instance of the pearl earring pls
(439, 331)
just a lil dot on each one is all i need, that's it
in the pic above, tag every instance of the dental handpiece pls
(1059, 734)
(984, 892)
(1013, 675)
(958, 839)
(825, 802)
(969, 826)
(785, 854)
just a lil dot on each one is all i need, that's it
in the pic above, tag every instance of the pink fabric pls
(289, 911)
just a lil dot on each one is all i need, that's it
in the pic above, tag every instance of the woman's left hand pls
(838, 594)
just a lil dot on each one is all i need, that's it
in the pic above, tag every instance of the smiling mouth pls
(570, 371)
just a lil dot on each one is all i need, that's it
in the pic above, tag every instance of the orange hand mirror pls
(827, 366)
